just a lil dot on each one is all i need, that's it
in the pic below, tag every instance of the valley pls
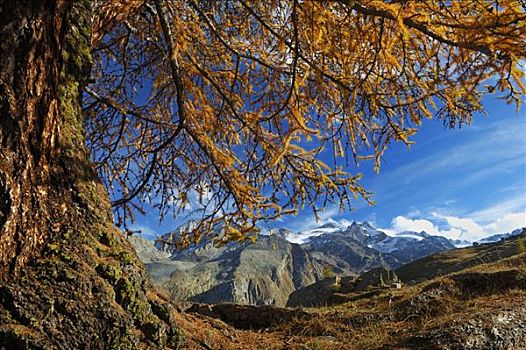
(268, 271)
(274, 269)
(465, 298)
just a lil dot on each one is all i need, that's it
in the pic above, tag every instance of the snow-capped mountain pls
(501, 236)
(282, 261)
(300, 237)
(360, 247)
(461, 243)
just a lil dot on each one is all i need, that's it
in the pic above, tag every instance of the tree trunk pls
(34, 179)
(68, 279)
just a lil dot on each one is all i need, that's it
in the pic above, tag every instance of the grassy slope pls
(457, 259)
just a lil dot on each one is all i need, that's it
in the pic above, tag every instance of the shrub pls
(327, 271)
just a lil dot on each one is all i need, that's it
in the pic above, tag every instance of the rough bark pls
(68, 279)
(29, 127)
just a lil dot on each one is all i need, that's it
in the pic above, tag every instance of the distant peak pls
(366, 224)
(329, 225)
(518, 231)
(424, 234)
(280, 232)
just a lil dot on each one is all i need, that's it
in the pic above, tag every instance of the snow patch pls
(302, 237)
(408, 236)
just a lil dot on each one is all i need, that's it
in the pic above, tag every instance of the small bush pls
(327, 271)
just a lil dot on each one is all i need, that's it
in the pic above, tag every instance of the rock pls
(247, 316)
(374, 278)
(265, 272)
(488, 330)
(146, 250)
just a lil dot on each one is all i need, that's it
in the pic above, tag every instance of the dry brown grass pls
(384, 321)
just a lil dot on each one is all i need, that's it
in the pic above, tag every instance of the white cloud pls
(402, 223)
(198, 198)
(472, 230)
(455, 227)
(449, 226)
(507, 223)
(461, 228)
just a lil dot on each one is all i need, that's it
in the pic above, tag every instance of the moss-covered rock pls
(109, 272)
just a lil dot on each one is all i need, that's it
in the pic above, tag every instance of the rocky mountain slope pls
(265, 272)
(360, 247)
(268, 271)
(337, 290)
(501, 236)
(477, 307)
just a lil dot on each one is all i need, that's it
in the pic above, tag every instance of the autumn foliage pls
(260, 108)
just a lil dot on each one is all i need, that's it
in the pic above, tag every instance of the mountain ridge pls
(268, 271)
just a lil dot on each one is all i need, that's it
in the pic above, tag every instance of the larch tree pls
(237, 101)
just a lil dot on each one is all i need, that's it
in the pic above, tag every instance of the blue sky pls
(461, 183)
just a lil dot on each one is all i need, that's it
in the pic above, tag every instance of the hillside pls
(360, 247)
(458, 259)
(268, 271)
(480, 307)
(341, 289)
(262, 273)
